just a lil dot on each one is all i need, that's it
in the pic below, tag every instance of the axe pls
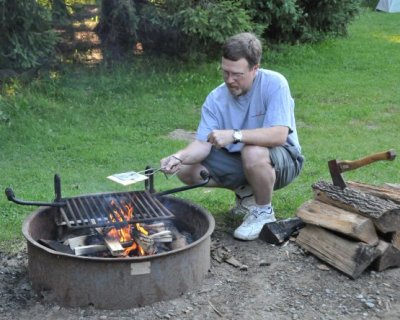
(336, 167)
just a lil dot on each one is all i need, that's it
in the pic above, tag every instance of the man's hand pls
(170, 164)
(220, 138)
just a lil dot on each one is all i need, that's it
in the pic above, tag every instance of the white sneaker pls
(253, 223)
(244, 200)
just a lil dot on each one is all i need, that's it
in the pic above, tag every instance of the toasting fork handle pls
(347, 165)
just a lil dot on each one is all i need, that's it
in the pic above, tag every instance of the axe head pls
(336, 174)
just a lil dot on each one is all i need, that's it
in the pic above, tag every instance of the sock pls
(266, 207)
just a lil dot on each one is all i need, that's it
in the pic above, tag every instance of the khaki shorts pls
(227, 170)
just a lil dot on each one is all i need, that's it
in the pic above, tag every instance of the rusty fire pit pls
(118, 283)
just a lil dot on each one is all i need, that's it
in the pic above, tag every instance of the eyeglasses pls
(234, 75)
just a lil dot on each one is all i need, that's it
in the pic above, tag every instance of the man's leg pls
(259, 172)
(190, 175)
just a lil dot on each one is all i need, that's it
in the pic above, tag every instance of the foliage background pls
(29, 29)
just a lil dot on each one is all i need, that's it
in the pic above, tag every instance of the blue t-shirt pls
(268, 103)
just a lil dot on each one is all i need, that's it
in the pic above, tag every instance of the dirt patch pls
(276, 282)
(180, 134)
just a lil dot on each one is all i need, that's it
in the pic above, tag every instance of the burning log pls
(114, 246)
(162, 236)
(146, 243)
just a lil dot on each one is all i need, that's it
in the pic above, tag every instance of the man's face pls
(238, 76)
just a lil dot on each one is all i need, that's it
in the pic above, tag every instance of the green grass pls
(88, 122)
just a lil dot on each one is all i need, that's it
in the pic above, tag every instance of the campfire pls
(117, 250)
(128, 240)
(120, 224)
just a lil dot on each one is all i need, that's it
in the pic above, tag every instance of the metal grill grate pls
(106, 210)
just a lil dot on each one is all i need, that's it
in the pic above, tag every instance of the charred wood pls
(279, 231)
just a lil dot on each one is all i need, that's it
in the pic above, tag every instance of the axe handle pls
(347, 165)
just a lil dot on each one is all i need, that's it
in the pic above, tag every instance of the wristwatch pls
(237, 136)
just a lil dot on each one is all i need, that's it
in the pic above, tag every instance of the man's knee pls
(190, 174)
(254, 156)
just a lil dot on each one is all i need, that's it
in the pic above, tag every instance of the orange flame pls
(124, 234)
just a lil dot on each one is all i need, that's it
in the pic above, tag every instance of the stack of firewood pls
(353, 228)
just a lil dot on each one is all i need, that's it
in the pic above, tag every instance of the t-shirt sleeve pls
(208, 120)
(280, 107)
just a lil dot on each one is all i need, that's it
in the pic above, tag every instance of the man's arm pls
(194, 153)
(264, 137)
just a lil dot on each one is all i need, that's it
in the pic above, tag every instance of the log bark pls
(384, 214)
(350, 224)
(384, 192)
(350, 257)
(279, 231)
(389, 257)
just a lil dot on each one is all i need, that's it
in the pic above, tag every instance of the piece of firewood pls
(393, 185)
(350, 257)
(90, 249)
(76, 241)
(56, 246)
(333, 218)
(384, 192)
(389, 257)
(114, 246)
(384, 214)
(279, 231)
(396, 239)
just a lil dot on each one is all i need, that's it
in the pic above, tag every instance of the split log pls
(384, 214)
(279, 231)
(350, 257)
(350, 224)
(393, 185)
(388, 193)
(389, 257)
(114, 246)
(76, 241)
(396, 239)
(90, 249)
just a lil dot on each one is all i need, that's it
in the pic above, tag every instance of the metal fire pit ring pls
(118, 283)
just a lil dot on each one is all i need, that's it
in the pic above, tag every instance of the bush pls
(187, 27)
(326, 18)
(26, 37)
(172, 26)
(294, 21)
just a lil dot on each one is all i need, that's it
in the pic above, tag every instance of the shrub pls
(326, 18)
(26, 37)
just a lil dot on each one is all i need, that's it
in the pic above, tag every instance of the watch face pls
(237, 135)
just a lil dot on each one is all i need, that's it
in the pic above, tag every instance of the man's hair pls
(243, 45)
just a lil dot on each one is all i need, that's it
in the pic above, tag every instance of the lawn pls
(86, 122)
